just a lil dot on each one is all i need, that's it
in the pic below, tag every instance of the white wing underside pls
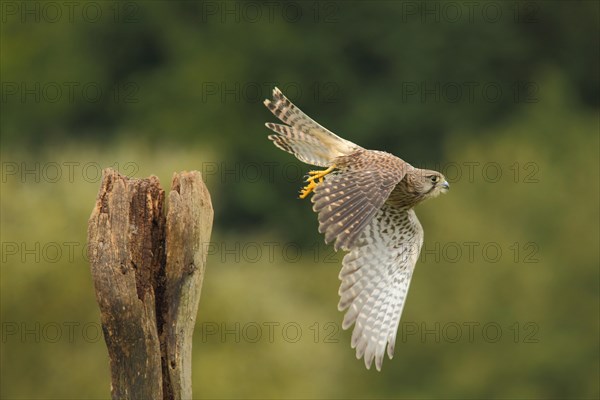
(375, 278)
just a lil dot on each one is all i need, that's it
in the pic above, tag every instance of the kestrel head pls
(422, 184)
(432, 183)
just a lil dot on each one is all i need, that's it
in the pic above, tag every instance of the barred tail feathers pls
(302, 136)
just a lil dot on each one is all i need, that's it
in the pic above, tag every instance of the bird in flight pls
(364, 200)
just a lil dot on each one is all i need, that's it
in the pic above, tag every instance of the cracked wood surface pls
(148, 270)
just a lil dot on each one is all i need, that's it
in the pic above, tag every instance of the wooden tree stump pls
(148, 270)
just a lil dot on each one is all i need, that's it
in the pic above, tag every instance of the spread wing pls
(349, 199)
(302, 136)
(375, 279)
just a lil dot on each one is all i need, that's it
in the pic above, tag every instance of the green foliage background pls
(182, 85)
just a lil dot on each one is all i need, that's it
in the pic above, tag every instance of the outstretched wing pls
(306, 148)
(375, 279)
(349, 199)
(302, 136)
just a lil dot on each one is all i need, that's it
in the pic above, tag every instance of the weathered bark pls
(148, 271)
(189, 223)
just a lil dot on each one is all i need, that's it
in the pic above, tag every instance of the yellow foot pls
(313, 176)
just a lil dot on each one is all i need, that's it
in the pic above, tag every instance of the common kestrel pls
(364, 200)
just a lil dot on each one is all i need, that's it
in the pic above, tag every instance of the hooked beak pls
(445, 186)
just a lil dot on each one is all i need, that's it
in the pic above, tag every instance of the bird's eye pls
(435, 178)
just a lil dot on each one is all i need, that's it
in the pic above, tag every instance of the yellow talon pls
(313, 176)
(306, 190)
